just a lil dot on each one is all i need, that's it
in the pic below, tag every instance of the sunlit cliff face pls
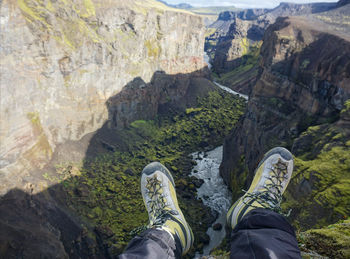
(62, 60)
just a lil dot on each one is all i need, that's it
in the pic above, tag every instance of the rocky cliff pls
(74, 76)
(62, 60)
(304, 80)
(237, 32)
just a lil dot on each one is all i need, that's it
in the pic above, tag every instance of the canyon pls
(93, 90)
(300, 101)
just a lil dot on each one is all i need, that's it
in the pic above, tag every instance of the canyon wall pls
(62, 60)
(237, 32)
(304, 80)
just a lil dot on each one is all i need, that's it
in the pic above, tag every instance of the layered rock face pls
(305, 80)
(62, 60)
(237, 32)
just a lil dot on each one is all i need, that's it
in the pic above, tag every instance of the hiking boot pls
(159, 196)
(270, 181)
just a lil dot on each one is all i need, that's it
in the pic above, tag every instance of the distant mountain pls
(292, 9)
(209, 14)
(343, 2)
(179, 6)
(182, 6)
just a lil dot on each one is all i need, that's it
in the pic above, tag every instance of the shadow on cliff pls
(165, 94)
(41, 225)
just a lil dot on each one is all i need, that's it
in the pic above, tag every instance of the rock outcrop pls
(70, 69)
(304, 80)
(237, 32)
(62, 60)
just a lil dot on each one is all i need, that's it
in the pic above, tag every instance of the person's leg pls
(168, 234)
(152, 243)
(258, 230)
(263, 233)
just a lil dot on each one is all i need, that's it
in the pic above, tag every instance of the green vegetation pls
(34, 119)
(319, 191)
(107, 191)
(245, 46)
(227, 77)
(209, 32)
(305, 63)
(68, 32)
(322, 174)
(332, 241)
(153, 48)
(246, 71)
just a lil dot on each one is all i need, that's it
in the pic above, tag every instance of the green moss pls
(89, 9)
(34, 119)
(104, 194)
(193, 110)
(209, 32)
(332, 241)
(69, 31)
(244, 46)
(305, 63)
(324, 166)
(237, 181)
(33, 11)
(346, 109)
(153, 48)
(247, 69)
(49, 6)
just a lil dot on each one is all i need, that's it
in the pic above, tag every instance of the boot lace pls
(271, 196)
(159, 209)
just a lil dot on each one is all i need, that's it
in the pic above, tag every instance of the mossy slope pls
(319, 192)
(332, 241)
(107, 193)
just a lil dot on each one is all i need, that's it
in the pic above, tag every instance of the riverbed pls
(213, 192)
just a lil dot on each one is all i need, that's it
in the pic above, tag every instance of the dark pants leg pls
(152, 244)
(264, 234)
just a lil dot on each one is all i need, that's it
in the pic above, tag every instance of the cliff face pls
(62, 60)
(304, 80)
(237, 32)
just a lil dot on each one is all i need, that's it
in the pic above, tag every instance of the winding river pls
(213, 192)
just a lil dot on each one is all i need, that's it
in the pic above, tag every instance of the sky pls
(242, 3)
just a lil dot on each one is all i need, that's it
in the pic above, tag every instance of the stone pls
(197, 182)
(217, 227)
(129, 172)
(82, 191)
(203, 238)
(104, 231)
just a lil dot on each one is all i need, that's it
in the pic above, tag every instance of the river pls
(213, 192)
(229, 90)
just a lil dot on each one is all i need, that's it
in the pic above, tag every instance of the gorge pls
(93, 90)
